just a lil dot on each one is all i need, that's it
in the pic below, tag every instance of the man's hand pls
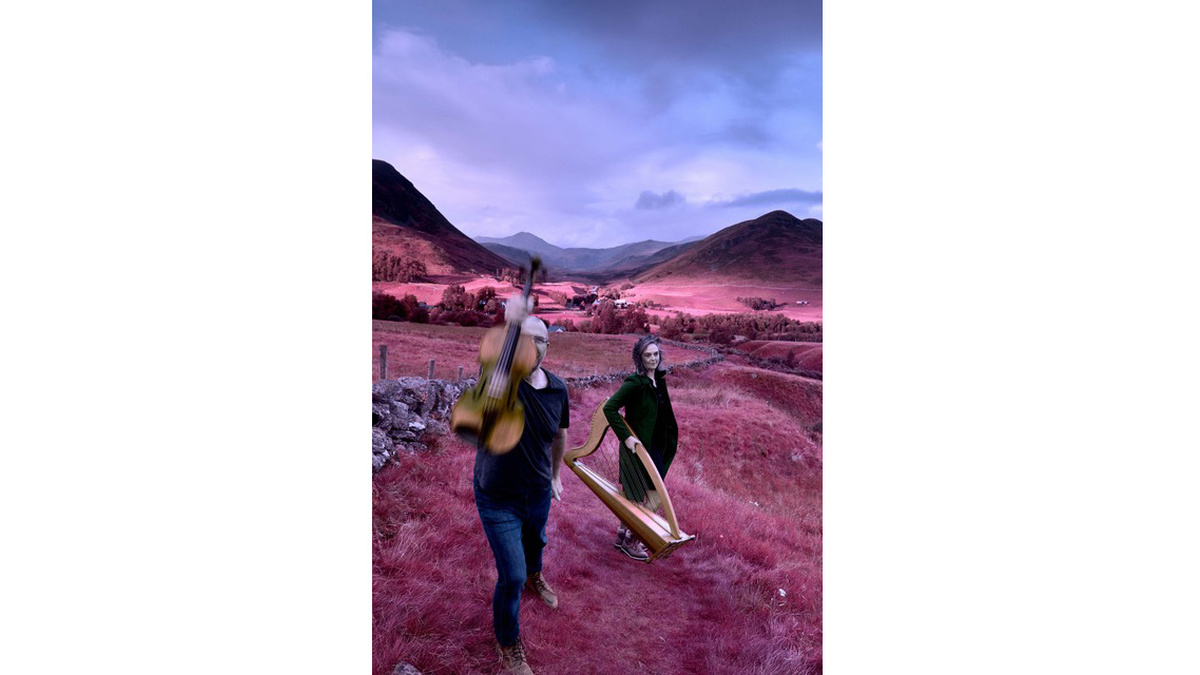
(558, 447)
(630, 443)
(517, 307)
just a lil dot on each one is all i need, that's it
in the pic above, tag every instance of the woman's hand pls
(630, 443)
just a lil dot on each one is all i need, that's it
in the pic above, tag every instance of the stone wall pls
(409, 412)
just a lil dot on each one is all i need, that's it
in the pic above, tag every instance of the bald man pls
(513, 493)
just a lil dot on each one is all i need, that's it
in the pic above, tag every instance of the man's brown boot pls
(537, 583)
(512, 659)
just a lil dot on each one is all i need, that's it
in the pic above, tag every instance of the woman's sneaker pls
(634, 549)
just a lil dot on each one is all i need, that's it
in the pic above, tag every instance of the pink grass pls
(807, 354)
(746, 481)
(411, 345)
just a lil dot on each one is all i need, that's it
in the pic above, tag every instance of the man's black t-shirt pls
(526, 467)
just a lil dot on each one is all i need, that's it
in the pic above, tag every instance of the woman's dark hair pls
(639, 347)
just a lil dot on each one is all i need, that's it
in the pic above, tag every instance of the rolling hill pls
(593, 262)
(406, 224)
(775, 247)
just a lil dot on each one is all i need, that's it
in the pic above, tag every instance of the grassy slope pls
(411, 345)
(807, 354)
(747, 481)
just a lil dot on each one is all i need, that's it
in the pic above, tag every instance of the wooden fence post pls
(383, 362)
(459, 375)
(430, 398)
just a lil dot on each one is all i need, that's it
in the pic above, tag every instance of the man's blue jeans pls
(515, 526)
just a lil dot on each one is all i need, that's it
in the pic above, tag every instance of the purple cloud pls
(650, 200)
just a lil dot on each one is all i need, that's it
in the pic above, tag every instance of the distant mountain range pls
(775, 248)
(519, 247)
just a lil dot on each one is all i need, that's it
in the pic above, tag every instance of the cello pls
(489, 415)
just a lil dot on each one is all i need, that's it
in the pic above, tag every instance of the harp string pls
(641, 479)
(606, 461)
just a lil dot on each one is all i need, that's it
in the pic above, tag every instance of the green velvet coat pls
(638, 397)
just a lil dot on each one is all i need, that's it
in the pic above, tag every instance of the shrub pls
(463, 317)
(483, 296)
(671, 328)
(720, 335)
(635, 321)
(385, 307)
(455, 298)
(388, 267)
(758, 304)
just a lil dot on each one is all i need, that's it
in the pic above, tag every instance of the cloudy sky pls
(599, 123)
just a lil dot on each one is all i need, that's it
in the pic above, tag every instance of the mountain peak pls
(396, 201)
(529, 236)
(526, 241)
(790, 248)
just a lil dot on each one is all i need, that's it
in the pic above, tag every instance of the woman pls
(648, 412)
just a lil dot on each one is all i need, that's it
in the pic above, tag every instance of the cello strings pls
(514, 332)
(501, 366)
(505, 362)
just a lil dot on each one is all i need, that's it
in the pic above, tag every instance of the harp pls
(595, 462)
